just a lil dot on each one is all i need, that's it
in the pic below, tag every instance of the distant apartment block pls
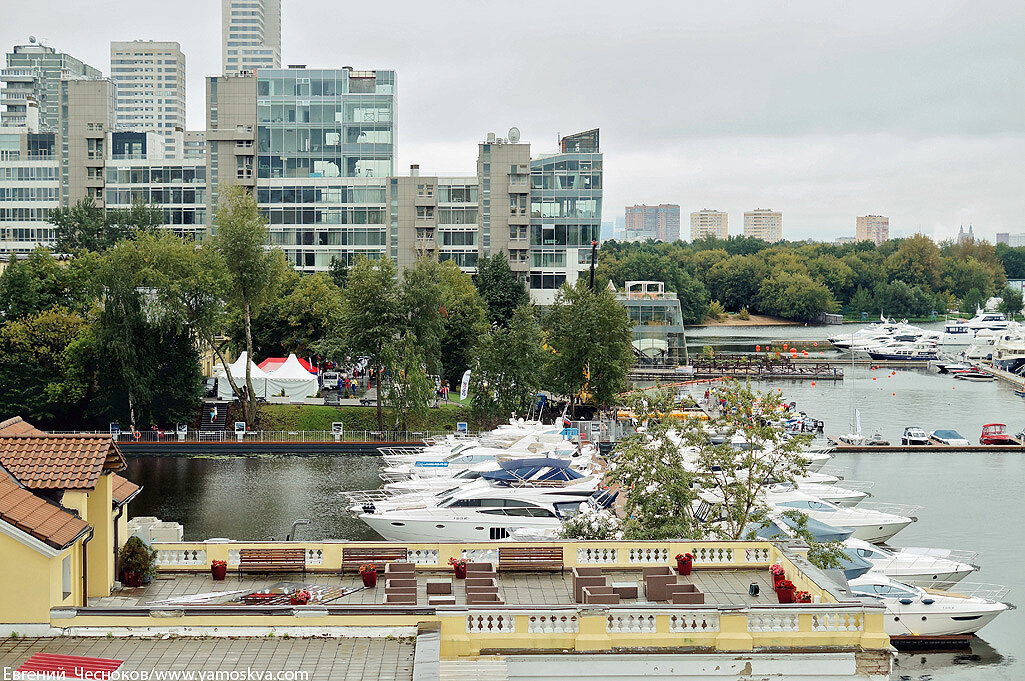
(764, 224)
(704, 223)
(250, 35)
(1015, 240)
(661, 222)
(31, 84)
(874, 228)
(150, 80)
(844, 240)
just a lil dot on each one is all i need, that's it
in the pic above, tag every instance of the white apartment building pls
(150, 80)
(874, 228)
(706, 222)
(250, 35)
(764, 224)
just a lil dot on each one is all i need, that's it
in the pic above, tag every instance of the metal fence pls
(273, 435)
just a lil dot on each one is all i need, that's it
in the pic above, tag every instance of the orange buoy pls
(758, 348)
(813, 384)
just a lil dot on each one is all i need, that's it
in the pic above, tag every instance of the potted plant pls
(138, 562)
(459, 566)
(778, 575)
(368, 573)
(300, 597)
(802, 597)
(684, 563)
(785, 591)
(219, 570)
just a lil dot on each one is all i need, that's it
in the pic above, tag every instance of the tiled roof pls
(16, 426)
(59, 461)
(122, 489)
(36, 516)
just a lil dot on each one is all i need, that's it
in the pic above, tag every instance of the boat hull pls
(919, 619)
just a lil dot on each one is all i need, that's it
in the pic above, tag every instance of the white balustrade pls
(480, 555)
(648, 555)
(838, 621)
(756, 555)
(779, 621)
(712, 554)
(423, 556)
(631, 623)
(168, 558)
(314, 556)
(491, 623)
(597, 554)
(233, 558)
(696, 622)
(553, 623)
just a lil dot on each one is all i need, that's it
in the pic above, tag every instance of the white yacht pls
(993, 321)
(835, 494)
(936, 568)
(872, 522)
(914, 611)
(466, 459)
(910, 350)
(881, 329)
(1009, 350)
(949, 437)
(482, 514)
(982, 346)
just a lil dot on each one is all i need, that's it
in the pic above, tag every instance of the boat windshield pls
(810, 505)
(883, 590)
(949, 434)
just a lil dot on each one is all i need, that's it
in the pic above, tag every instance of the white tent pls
(293, 379)
(238, 372)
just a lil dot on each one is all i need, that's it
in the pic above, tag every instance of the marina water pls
(971, 501)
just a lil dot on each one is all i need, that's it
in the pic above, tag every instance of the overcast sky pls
(823, 110)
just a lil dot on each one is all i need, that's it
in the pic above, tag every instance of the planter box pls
(278, 400)
(314, 400)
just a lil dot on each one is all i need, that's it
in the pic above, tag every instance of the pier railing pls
(415, 436)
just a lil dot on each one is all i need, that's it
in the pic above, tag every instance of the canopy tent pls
(272, 364)
(292, 379)
(238, 372)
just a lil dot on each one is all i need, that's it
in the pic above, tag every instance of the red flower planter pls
(297, 601)
(785, 594)
(777, 580)
(133, 579)
(460, 571)
(683, 567)
(218, 572)
(369, 578)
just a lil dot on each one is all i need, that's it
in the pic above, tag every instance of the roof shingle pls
(122, 489)
(17, 426)
(36, 516)
(59, 461)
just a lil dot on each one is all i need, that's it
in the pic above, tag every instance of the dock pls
(907, 449)
(741, 366)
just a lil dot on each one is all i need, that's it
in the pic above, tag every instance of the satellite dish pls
(31, 38)
(514, 135)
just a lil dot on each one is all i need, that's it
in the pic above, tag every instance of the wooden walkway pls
(906, 449)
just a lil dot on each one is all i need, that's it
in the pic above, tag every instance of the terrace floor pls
(346, 659)
(721, 587)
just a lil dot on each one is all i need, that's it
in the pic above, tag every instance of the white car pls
(950, 437)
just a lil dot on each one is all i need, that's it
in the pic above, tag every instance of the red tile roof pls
(16, 426)
(122, 489)
(59, 461)
(36, 516)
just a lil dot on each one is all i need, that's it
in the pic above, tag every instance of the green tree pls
(420, 303)
(508, 366)
(463, 321)
(254, 272)
(862, 303)
(40, 282)
(917, 262)
(972, 301)
(795, 297)
(735, 281)
(411, 389)
(962, 275)
(1012, 259)
(499, 288)
(592, 338)
(86, 226)
(1011, 301)
(307, 306)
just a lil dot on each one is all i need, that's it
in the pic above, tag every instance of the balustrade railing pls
(129, 437)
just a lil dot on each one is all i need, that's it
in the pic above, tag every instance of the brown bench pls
(358, 555)
(530, 558)
(271, 560)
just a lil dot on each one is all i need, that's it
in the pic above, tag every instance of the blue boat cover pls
(533, 469)
(852, 564)
(820, 532)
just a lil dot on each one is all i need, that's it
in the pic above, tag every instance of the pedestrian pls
(213, 413)
(444, 391)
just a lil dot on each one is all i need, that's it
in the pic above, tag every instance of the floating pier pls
(905, 449)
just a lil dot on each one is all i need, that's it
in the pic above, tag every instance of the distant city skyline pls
(914, 117)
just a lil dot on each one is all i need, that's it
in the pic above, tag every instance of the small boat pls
(936, 568)
(853, 439)
(952, 367)
(914, 435)
(974, 375)
(996, 434)
(877, 440)
(949, 437)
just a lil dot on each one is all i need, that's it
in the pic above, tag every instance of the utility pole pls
(594, 260)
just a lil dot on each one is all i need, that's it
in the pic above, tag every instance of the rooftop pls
(42, 519)
(59, 461)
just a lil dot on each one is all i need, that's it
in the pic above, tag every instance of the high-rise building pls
(661, 222)
(1013, 240)
(874, 228)
(250, 35)
(34, 73)
(764, 224)
(150, 79)
(706, 222)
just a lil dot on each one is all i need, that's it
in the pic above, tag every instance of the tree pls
(972, 301)
(463, 321)
(307, 306)
(734, 282)
(591, 335)
(508, 366)
(254, 272)
(499, 288)
(795, 296)
(961, 276)
(1012, 259)
(39, 282)
(371, 320)
(1011, 301)
(648, 469)
(916, 261)
(862, 303)
(88, 227)
(420, 303)
(411, 389)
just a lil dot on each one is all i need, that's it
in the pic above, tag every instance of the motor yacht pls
(871, 522)
(881, 329)
(1009, 351)
(990, 321)
(982, 345)
(906, 351)
(914, 611)
(949, 437)
(841, 496)
(913, 435)
(464, 459)
(482, 514)
(974, 375)
(919, 567)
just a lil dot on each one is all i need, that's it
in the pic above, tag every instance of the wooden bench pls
(358, 555)
(271, 560)
(530, 558)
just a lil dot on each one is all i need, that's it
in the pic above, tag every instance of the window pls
(66, 576)
(425, 212)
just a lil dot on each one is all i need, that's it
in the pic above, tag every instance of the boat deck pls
(721, 587)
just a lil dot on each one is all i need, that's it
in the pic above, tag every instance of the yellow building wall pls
(100, 550)
(33, 583)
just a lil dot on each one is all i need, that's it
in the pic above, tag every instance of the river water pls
(971, 501)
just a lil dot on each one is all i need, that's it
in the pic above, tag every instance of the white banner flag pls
(464, 388)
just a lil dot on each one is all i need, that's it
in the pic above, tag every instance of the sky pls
(820, 109)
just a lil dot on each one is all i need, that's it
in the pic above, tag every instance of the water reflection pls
(981, 662)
